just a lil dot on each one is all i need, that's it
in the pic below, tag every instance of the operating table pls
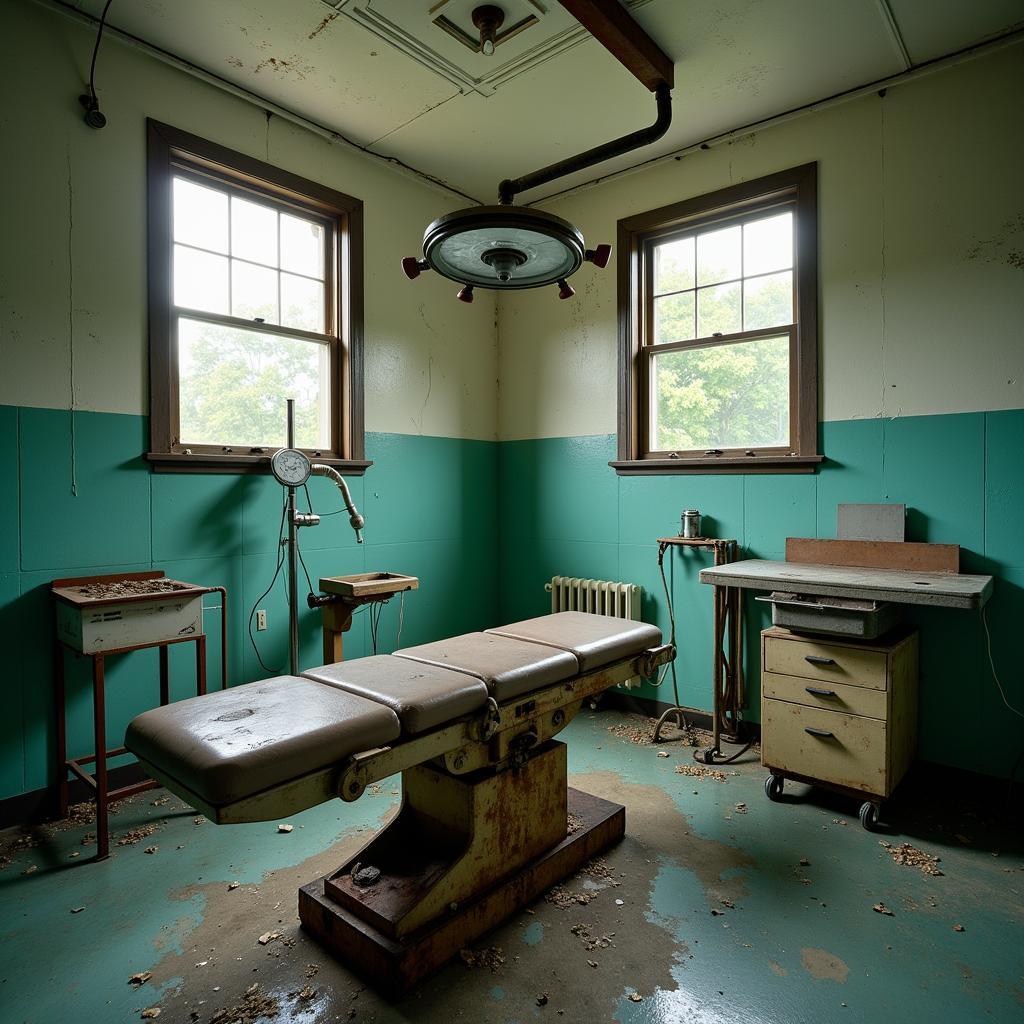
(487, 821)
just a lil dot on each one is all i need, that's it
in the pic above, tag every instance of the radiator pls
(599, 597)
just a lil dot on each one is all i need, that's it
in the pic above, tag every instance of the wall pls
(72, 284)
(921, 231)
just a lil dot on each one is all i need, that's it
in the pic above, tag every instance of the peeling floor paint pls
(718, 920)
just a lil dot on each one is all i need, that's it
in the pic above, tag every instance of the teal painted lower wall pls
(564, 511)
(432, 509)
(430, 505)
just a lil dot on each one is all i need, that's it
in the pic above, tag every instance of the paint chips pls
(881, 908)
(285, 828)
(912, 857)
(140, 978)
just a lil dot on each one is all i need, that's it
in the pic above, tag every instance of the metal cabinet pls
(840, 713)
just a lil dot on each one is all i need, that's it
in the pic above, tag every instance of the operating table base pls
(396, 964)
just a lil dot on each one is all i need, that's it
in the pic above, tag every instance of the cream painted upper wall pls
(430, 360)
(921, 236)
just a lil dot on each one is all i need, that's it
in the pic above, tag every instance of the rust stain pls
(822, 965)
(323, 24)
(777, 969)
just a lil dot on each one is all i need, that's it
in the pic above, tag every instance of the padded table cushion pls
(508, 667)
(595, 640)
(423, 696)
(234, 743)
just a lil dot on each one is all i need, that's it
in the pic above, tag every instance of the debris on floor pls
(542, 999)
(492, 958)
(598, 868)
(699, 771)
(912, 857)
(959, 928)
(151, 1013)
(253, 1007)
(591, 941)
(741, 808)
(311, 971)
(562, 898)
(268, 937)
(881, 908)
(136, 835)
(285, 828)
(635, 997)
(151, 849)
(140, 978)
(573, 823)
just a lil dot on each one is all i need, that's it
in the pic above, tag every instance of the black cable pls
(277, 572)
(323, 515)
(96, 50)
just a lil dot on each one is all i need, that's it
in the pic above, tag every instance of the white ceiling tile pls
(932, 28)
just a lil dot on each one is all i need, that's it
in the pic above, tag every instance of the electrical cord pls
(992, 665)
(277, 572)
(401, 619)
(96, 50)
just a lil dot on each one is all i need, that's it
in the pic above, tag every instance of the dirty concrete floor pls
(718, 906)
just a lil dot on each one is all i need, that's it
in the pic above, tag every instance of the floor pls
(719, 906)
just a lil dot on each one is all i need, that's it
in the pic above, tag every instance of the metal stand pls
(727, 666)
(293, 560)
(97, 779)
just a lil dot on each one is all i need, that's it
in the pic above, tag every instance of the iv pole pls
(297, 519)
(293, 553)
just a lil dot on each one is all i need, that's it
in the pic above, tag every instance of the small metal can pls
(689, 525)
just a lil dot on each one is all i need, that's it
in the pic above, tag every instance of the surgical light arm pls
(355, 519)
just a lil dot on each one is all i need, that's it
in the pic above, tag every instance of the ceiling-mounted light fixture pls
(488, 18)
(505, 247)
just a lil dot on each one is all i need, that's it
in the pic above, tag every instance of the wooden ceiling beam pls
(612, 26)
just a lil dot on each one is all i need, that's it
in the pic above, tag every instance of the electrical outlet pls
(261, 619)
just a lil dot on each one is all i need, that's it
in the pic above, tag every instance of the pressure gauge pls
(290, 467)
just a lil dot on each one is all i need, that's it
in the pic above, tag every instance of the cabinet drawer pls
(829, 696)
(851, 752)
(829, 662)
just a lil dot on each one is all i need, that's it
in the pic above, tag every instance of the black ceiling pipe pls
(511, 187)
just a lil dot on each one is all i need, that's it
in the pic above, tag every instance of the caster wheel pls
(869, 815)
(773, 787)
(706, 756)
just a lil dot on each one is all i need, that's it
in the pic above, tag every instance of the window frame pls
(170, 152)
(637, 235)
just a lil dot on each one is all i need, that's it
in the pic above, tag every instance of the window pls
(255, 291)
(718, 331)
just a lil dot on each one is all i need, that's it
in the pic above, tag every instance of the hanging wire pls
(277, 572)
(401, 619)
(96, 50)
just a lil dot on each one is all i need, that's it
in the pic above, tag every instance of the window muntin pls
(716, 382)
(239, 257)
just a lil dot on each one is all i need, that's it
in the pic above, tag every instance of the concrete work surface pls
(719, 906)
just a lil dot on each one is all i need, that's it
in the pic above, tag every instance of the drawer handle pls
(814, 691)
(823, 733)
(817, 659)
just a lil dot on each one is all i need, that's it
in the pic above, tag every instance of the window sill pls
(177, 462)
(756, 464)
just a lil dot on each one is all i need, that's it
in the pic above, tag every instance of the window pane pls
(718, 310)
(302, 303)
(768, 244)
(253, 231)
(233, 384)
(674, 318)
(200, 216)
(768, 301)
(253, 292)
(726, 396)
(673, 266)
(200, 280)
(302, 246)
(718, 255)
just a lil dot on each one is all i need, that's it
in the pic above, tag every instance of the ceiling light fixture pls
(488, 19)
(504, 247)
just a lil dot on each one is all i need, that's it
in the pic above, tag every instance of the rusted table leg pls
(60, 708)
(165, 677)
(201, 664)
(100, 730)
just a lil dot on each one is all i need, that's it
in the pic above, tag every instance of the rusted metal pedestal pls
(464, 853)
(727, 665)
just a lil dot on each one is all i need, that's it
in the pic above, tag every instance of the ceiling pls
(384, 75)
